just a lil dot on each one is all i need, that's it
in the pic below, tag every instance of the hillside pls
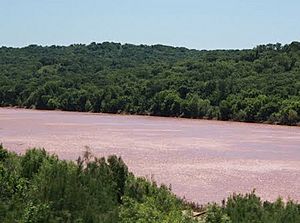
(252, 85)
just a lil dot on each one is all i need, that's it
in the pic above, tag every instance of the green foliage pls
(39, 188)
(32, 161)
(215, 214)
(149, 211)
(249, 208)
(144, 202)
(3, 153)
(36, 213)
(254, 85)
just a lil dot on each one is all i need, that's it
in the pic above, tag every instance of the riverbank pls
(153, 115)
(203, 160)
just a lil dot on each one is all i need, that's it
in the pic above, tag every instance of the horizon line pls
(141, 44)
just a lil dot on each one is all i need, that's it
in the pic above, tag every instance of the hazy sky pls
(199, 24)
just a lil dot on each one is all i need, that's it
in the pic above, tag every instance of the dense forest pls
(39, 188)
(252, 85)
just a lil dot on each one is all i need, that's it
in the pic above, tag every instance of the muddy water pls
(203, 160)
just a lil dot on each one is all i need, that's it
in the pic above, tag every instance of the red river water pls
(203, 161)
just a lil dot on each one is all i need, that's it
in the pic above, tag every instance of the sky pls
(196, 24)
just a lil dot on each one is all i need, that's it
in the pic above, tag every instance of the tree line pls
(252, 85)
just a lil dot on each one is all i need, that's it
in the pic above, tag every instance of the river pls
(202, 160)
